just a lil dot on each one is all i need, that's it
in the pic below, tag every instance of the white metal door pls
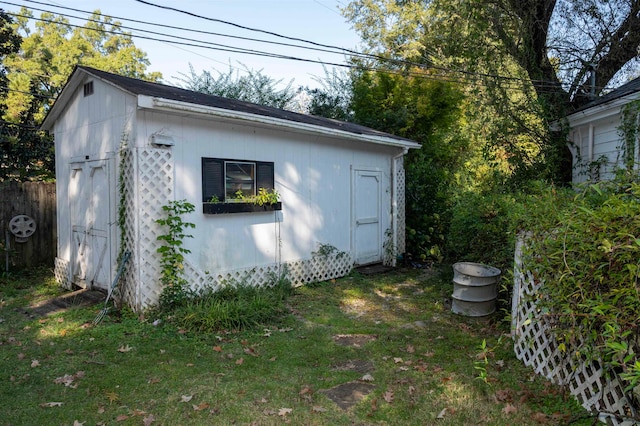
(367, 234)
(89, 208)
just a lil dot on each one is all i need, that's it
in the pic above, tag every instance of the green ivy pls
(175, 290)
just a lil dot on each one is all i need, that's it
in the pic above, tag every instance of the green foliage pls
(426, 111)
(253, 86)
(483, 228)
(263, 197)
(50, 51)
(629, 131)
(25, 152)
(333, 98)
(175, 290)
(587, 255)
(235, 307)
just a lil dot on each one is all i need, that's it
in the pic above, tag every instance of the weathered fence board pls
(38, 201)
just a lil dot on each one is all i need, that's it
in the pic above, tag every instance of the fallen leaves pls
(200, 407)
(284, 411)
(69, 379)
(112, 397)
(510, 409)
(124, 348)
(35, 363)
(186, 398)
(367, 378)
(51, 404)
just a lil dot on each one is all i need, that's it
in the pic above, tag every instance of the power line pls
(226, 48)
(328, 49)
(278, 56)
(352, 52)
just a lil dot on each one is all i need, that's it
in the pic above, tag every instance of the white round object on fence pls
(22, 226)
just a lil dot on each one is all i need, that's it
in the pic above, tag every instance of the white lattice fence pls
(127, 207)
(400, 188)
(62, 273)
(535, 346)
(318, 268)
(147, 185)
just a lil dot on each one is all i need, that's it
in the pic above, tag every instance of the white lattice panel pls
(147, 184)
(318, 268)
(154, 190)
(536, 347)
(62, 273)
(126, 183)
(400, 202)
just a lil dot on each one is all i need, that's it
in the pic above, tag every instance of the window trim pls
(214, 183)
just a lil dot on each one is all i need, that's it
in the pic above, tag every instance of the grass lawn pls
(363, 350)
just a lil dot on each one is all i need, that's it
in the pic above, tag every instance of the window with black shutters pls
(226, 180)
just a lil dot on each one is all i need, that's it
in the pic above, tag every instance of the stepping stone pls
(357, 365)
(348, 394)
(355, 340)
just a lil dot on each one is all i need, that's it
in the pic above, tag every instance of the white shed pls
(595, 137)
(126, 147)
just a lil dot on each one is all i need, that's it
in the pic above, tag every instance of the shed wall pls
(91, 128)
(312, 174)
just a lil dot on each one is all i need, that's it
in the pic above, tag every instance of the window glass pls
(239, 176)
(222, 178)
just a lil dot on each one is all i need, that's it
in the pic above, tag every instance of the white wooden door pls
(89, 214)
(366, 226)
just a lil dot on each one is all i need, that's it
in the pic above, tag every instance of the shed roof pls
(162, 91)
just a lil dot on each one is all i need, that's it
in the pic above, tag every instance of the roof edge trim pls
(148, 102)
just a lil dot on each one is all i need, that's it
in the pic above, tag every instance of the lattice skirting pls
(535, 346)
(319, 268)
(62, 273)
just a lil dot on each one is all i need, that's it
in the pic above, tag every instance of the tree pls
(22, 151)
(252, 87)
(531, 59)
(49, 54)
(35, 65)
(334, 96)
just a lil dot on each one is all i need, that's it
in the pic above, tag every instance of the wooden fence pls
(37, 200)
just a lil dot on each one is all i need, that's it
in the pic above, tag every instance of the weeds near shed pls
(176, 288)
(237, 306)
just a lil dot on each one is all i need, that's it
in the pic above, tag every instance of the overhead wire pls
(350, 51)
(319, 47)
(226, 48)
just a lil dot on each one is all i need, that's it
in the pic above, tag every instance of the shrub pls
(482, 229)
(586, 252)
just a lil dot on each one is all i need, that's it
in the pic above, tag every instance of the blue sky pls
(315, 20)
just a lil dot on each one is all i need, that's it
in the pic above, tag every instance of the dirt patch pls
(358, 365)
(377, 268)
(348, 394)
(353, 340)
(78, 298)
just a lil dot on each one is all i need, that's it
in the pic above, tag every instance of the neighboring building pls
(126, 147)
(595, 135)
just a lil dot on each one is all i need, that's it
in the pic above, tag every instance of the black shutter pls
(264, 175)
(212, 179)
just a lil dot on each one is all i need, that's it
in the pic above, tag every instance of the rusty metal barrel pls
(474, 289)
